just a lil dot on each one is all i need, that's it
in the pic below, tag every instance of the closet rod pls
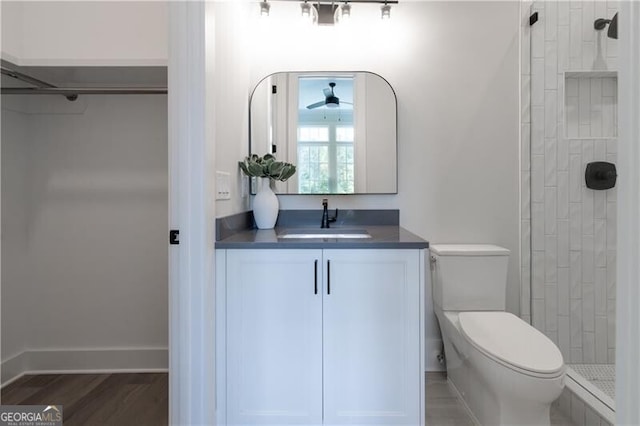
(23, 77)
(70, 91)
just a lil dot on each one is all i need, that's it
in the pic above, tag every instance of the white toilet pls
(506, 371)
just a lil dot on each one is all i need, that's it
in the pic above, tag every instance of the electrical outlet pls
(223, 186)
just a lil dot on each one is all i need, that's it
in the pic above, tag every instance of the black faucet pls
(326, 220)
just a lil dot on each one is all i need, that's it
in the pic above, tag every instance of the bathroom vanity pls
(320, 330)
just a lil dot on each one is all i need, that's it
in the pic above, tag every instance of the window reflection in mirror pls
(325, 135)
(338, 128)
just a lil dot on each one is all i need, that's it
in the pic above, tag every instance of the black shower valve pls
(601, 175)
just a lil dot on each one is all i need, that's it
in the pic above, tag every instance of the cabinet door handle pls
(328, 277)
(315, 277)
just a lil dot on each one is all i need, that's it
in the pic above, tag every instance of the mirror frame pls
(320, 74)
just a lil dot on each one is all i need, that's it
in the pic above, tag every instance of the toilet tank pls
(469, 277)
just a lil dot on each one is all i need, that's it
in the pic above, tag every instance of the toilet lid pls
(507, 338)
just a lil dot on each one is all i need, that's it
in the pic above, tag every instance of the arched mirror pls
(338, 128)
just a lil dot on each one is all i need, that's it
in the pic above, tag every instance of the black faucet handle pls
(334, 218)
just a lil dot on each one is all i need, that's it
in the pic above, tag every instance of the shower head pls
(600, 23)
(613, 27)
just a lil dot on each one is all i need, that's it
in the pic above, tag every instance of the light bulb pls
(385, 11)
(264, 8)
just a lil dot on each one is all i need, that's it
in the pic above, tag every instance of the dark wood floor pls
(97, 399)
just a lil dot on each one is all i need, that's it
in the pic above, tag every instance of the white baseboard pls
(87, 361)
(433, 348)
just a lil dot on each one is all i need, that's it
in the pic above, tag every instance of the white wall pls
(455, 69)
(15, 183)
(88, 33)
(86, 205)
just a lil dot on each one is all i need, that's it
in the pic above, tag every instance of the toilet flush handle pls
(432, 262)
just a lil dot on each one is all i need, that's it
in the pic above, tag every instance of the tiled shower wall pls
(569, 118)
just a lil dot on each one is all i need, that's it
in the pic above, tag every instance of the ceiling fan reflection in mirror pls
(330, 99)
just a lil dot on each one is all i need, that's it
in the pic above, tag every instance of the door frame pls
(192, 212)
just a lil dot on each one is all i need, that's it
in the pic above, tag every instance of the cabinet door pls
(371, 314)
(274, 343)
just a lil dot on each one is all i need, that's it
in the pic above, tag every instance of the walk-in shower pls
(569, 120)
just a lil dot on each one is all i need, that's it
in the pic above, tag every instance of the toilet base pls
(494, 394)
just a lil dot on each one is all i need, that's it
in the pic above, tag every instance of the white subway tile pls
(576, 323)
(563, 14)
(611, 222)
(563, 292)
(584, 99)
(609, 86)
(596, 107)
(601, 340)
(537, 178)
(564, 337)
(572, 85)
(600, 243)
(588, 308)
(537, 130)
(575, 146)
(600, 150)
(537, 226)
(611, 274)
(564, 46)
(584, 131)
(588, 267)
(551, 307)
(550, 210)
(563, 153)
(575, 274)
(550, 162)
(538, 314)
(551, 21)
(589, 347)
(587, 152)
(575, 4)
(563, 243)
(576, 358)
(525, 294)
(575, 33)
(563, 195)
(612, 357)
(537, 82)
(587, 21)
(576, 175)
(550, 259)
(599, 205)
(537, 275)
(587, 211)
(575, 226)
(551, 65)
(572, 117)
(612, 146)
(588, 54)
(550, 113)
(609, 121)
(601, 292)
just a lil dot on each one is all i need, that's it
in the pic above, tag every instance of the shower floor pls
(602, 376)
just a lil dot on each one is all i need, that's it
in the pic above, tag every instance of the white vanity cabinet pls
(312, 337)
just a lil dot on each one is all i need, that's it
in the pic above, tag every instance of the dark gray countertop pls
(382, 237)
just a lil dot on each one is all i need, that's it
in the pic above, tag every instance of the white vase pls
(265, 205)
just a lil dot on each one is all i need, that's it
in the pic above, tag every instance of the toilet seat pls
(512, 342)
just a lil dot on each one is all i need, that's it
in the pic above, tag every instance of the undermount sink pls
(325, 233)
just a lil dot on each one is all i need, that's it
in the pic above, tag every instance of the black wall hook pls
(600, 175)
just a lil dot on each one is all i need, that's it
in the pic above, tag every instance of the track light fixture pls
(328, 12)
